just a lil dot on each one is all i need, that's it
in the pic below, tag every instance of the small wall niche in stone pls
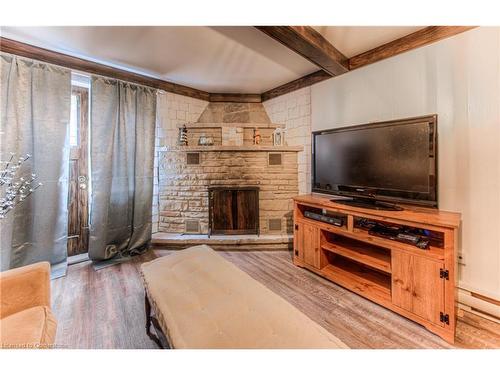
(274, 159)
(193, 158)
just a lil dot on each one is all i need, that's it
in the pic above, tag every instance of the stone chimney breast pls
(243, 113)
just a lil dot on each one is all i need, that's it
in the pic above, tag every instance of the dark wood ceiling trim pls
(411, 41)
(236, 98)
(311, 45)
(297, 84)
(75, 63)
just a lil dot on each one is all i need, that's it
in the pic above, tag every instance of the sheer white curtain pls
(35, 112)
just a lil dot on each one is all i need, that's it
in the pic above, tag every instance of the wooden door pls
(222, 211)
(307, 245)
(247, 210)
(234, 210)
(298, 240)
(78, 229)
(417, 285)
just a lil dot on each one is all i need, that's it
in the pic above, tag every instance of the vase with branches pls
(14, 189)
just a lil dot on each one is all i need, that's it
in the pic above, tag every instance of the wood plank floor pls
(105, 308)
(101, 309)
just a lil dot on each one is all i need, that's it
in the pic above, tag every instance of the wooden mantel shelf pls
(208, 125)
(218, 148)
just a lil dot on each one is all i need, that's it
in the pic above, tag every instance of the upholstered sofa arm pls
(24, 287)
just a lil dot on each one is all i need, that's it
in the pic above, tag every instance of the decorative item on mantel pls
(279, 137)
(183, 137)
(256, 136)
(14, 190)
(205, 141)
(232, 136)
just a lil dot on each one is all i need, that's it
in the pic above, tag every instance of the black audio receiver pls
(333, 220)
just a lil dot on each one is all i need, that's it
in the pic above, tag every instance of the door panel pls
(247, 202)
(298, 242)
(78, 174)
(222, 211)
(306, 242)
(311, 245)
(402, 280)
(417, 286)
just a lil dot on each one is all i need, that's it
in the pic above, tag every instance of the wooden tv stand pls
(416, 283)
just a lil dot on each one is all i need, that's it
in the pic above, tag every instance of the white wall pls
(294, 110)
(458, 79)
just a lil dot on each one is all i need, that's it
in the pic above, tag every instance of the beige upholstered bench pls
(200, 300)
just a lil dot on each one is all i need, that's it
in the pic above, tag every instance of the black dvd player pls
(333, 220)
(412, 236)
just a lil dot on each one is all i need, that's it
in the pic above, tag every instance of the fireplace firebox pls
(233, 210)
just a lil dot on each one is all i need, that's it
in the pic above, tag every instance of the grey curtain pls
(35, 111)
(122, 151)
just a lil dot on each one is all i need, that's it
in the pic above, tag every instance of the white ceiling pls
(237, 59)
(352, 40)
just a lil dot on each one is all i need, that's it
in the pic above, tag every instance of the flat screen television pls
(391, 161)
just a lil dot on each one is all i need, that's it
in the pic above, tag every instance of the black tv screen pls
(387, 161)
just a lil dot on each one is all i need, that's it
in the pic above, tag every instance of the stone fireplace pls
(189, 176)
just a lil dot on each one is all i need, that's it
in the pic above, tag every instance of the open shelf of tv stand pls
(367, 254)
(368, 284)
(413, 282)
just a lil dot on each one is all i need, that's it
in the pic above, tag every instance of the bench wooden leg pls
(150, 319)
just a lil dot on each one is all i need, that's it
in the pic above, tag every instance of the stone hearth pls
(186, 172)
(268, 242)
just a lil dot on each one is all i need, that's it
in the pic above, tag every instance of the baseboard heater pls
(469, 302)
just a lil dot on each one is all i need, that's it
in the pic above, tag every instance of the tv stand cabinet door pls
(311, 246)
(417, 285)
(307, 243)
(298, 243)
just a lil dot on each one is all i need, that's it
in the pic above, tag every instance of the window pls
(80, 85)
(74, 120)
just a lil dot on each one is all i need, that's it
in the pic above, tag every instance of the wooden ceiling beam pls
(297, 84)
(406, 43)
(311, 45)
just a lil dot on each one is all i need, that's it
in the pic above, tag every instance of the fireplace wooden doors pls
(233, 210)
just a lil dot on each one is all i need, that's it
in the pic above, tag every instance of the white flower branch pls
(14, 189)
